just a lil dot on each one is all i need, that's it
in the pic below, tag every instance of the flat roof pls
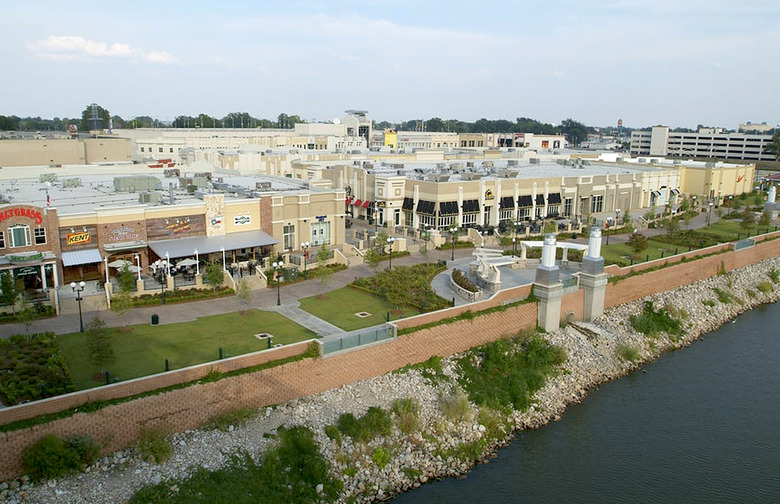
(97, 191)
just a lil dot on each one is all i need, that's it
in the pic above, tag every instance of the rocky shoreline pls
(592, 350)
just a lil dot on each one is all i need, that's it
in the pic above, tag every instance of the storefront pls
(29, 247)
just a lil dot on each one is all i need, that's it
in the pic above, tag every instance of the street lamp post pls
(453, 231)
(279, 267)
(390, 243)
(305, 247)
(78, 288)
(163, 280)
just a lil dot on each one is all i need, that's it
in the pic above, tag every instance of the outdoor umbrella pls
(187, 262)
(119, 263)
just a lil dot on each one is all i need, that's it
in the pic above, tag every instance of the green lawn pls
(340, 306)
(620, 253)
(141, 350)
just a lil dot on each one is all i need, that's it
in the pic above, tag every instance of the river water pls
(698, 425)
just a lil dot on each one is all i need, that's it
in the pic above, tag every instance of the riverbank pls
(431, 450)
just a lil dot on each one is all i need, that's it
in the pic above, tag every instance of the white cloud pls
(73, 48)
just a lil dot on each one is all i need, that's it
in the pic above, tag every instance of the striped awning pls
(76, 257)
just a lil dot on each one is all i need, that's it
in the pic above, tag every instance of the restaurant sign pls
(77, 238)
(123, 234)
(242, 220)
(35, 215)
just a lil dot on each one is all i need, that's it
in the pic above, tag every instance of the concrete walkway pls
(292, 310)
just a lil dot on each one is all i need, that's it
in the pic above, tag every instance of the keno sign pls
(21, 212)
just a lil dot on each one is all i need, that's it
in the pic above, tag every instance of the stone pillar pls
(548, 287)
(593, 280)
(169, 283)
(139, 286)
(770, 205)
(199, 279)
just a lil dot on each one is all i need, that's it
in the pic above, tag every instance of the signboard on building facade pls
(123, 234)
(30, 213)
(489, 195)
(78, 238)
(242, 220)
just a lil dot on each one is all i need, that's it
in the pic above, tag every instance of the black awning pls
(525, 201)
(470, 206)
(506, 202)
(448, 208)
(540, 200)
(554, 198)
(408, 204)
(426, 207)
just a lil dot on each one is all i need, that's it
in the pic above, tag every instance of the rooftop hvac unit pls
(534, 160)
(399, 172)
(561, 161)
(677, 162)
(48, 177)
(585, 162)
(642, 160)
(219, 186)
(149, 197)
(620, 160)
(71, 182)
(471, 176)
(263, 186)
(438, 178)
(441, 166)
(470, 164)
(398, 166)
(456, 167)
(512, 162)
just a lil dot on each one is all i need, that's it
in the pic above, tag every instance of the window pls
(427, 220)
(171, 149)
(471, 143)
(523, 213)
(2, 240)
(20, 236)
(408, 217)
(469, 218)
(142, 149)
(567, 207)
(39, 234)
(159, 149)
(596, 204)
(289, 237)
(505, 215)
(447, 221)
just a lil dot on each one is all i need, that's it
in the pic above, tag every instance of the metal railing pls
(357, 338)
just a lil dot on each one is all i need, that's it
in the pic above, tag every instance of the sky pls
(673, 62)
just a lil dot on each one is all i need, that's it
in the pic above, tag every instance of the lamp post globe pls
(453, 231)
(390, 242)
(305, 248)
(78, 288)
(278, 266)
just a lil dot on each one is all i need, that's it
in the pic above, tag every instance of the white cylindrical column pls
(772, 194)
(548, 250)
(594, 242)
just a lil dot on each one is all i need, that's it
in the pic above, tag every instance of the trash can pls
(155, 319)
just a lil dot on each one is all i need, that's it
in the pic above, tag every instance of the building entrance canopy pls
(185, 247)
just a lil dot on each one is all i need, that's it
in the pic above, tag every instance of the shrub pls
(724, 296)
(52, 457)
(506, 373)
(751, 293)
(333, 433)
(381, 457)
(288, 472)
(652, 322)
(765, 287)
(235, 417)
(774, 275)
(708, 302)
(155, 446)
(628, 352)
(456, 406)
(376, 422)
(462, 281)
(407, 413)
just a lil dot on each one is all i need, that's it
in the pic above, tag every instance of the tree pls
(575, 131)
(550, 227)
(244, 292)
(637, 242)
(323, 273)
(381, 241)
(748, 219)
(765, 219)
(213, 275)
(11, 291)
(99, 349)
(672, 227)
(86, 116)
(126, 279)
(371, 259)
(773, 147)
(628, 222)
(121, 302)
